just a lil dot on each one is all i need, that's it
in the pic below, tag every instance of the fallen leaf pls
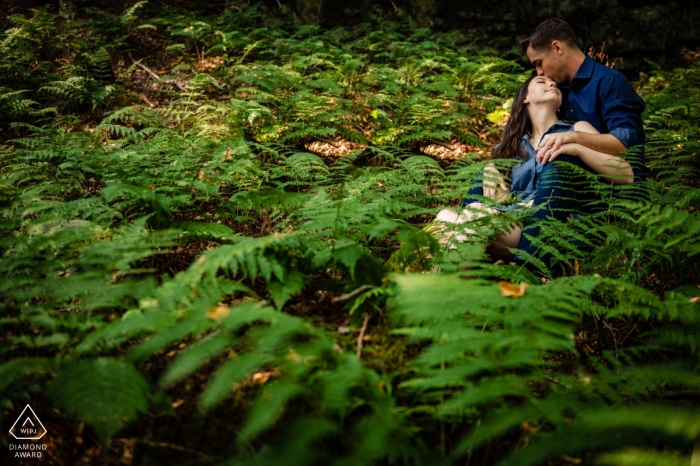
(177, 403)
(219, 312)
(509, 289)
(694, 300)
(529, 428)
(262, 377)
(571, 460)
(227, 155)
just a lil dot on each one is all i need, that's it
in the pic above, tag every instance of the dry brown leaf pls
(262, 377)
(529, 428)
(227, 155)
(509, 289)
(177, 403)
(219, 312)
(335, 147)
(694, 300)
(571, 460)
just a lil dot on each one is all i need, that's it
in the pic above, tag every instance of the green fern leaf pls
(103, 392)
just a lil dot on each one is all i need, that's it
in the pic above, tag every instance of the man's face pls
(549, 63)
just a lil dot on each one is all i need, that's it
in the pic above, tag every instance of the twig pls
(328, 142)
(614, 338)
(443, 145)
(155, 76)
(362, 335)
(145, 99)
(351, 294)
(628, 334)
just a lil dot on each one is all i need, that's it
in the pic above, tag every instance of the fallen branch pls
(155, 76)
(362, 335)
(351, 294)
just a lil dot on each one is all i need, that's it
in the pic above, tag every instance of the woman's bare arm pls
(494, 184)
(612, 167)
(585, 134)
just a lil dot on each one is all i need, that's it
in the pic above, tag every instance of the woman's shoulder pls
(585, 127)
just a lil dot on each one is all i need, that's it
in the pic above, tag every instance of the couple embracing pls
(574, 110)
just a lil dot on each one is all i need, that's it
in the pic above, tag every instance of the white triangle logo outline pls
(44, 431)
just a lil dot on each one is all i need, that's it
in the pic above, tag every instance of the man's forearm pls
(606, 143)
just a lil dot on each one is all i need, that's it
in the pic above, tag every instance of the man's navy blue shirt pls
(605, 98)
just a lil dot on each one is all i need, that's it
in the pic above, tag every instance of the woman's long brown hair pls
(518, 125)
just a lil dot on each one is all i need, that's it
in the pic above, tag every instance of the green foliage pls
(502, 363)
(102, 392)
(201, 246)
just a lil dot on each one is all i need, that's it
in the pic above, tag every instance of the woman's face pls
(543, 90)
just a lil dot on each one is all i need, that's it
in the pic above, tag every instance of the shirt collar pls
(558, 123)
(585, 71)
(562, 123)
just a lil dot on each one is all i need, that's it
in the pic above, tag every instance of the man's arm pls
(605, 143)
(621, 108)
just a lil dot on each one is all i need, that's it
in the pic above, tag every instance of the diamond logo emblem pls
(28, 426)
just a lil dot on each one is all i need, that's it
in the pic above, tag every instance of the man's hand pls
(551, 144)
(495, 186)
(566, 149)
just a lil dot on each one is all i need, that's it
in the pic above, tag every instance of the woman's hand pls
(495, 186)
(572, 149)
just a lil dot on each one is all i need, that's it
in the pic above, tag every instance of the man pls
(591, 92)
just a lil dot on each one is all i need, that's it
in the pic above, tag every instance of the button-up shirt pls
(525, 175)
(605, 98)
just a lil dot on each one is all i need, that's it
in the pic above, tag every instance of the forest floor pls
(215, 248)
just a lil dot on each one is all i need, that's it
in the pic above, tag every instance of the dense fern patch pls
(227, 230)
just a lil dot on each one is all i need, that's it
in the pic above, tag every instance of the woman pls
(533, 115)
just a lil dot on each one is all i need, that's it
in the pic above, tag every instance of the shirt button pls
(571, 111)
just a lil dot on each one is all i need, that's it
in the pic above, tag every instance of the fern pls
(102, 392)
(195, 244)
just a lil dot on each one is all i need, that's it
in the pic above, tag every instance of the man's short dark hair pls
(547, 32)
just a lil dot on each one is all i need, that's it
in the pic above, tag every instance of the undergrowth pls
(222, 235)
